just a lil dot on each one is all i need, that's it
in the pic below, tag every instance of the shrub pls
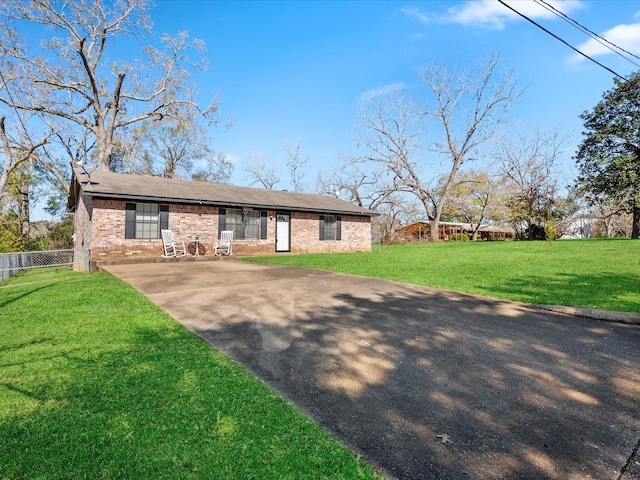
(550, 233)
(9, 241)
(460, 237)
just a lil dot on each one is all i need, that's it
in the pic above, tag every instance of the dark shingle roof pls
(165, 190)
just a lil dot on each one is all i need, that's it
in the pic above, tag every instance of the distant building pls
(421, 231)
(579, 228)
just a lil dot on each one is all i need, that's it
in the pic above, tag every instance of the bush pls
(536, 232)
(9, 241)
(61, 233)
(460, 237)
(550, 233)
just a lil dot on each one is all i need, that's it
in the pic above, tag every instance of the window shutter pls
(321, 227)
(164, 217)
(222, 220)
(263, 225)
(338, 228)
(130, 220)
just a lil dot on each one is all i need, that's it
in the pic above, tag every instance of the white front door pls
(283, 233)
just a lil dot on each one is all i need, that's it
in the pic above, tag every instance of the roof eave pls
(183, 201)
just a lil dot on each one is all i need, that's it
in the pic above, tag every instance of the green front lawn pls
(97, 382)
(601, 274)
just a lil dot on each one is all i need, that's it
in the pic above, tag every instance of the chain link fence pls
(12, 263)
(376, 240)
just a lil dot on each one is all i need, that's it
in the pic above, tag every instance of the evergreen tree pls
(608, 158)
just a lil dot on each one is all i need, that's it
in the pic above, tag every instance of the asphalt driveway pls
(423, 383)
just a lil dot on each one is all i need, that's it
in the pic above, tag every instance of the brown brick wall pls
(305, 234)
(190, 221)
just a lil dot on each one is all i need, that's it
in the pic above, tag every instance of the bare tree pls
(218, 169)
(27, 162)
(16, 149)
(296, 165)
(395, 211)
(74, 80)
(612, 219)
(261, 171)
(357, 182)
(172, 148)
(530, 169)
(68, 146)
(466, 113)
(368, 185)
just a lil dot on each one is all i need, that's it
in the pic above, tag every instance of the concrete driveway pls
(422, 383)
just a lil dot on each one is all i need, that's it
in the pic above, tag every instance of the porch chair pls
(171, 247)
(224, 245)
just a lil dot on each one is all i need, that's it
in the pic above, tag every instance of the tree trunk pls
(25, 212)
(435, 222)
(24, 204)
(104, 146)
(635, 230)
(434, 234)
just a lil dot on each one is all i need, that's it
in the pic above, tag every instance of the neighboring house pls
(421, 231)
(581, 227)
(118, 215)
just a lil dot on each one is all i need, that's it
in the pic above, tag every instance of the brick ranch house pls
(119, 216)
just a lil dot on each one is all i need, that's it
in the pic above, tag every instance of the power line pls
(601, 40)
(561, 40)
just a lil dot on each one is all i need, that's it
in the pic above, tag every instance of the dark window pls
(244, 224)
(263, 225)
(330, 227)
(147, 220)
(144, 220)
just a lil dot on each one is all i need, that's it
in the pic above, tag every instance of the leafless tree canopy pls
(422, 144)
(171, 149)
(261, 171)
(297, 165)
(72, 77)
(529, 166)
(17, 147)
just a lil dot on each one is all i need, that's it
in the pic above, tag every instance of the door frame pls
(288, 215)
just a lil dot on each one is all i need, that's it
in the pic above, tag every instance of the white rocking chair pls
(225, 244)
(172, 248)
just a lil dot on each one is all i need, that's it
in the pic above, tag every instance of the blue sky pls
(293, 71)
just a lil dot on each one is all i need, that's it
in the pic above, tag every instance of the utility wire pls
(601, 40)
(561, 40)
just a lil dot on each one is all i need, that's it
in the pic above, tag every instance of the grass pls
(97, 382)
(602, 274)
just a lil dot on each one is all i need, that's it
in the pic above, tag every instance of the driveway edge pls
(609, 316)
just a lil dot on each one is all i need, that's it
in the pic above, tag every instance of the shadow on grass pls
(608, 292)
(393, 372)
(162, 405)
(10, 296)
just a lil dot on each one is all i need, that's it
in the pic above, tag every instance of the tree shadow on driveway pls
(427, 383)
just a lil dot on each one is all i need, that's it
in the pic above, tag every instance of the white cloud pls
(492, 14)
(624, 36)
(382, 91)
(487, 13)
(417, 14)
